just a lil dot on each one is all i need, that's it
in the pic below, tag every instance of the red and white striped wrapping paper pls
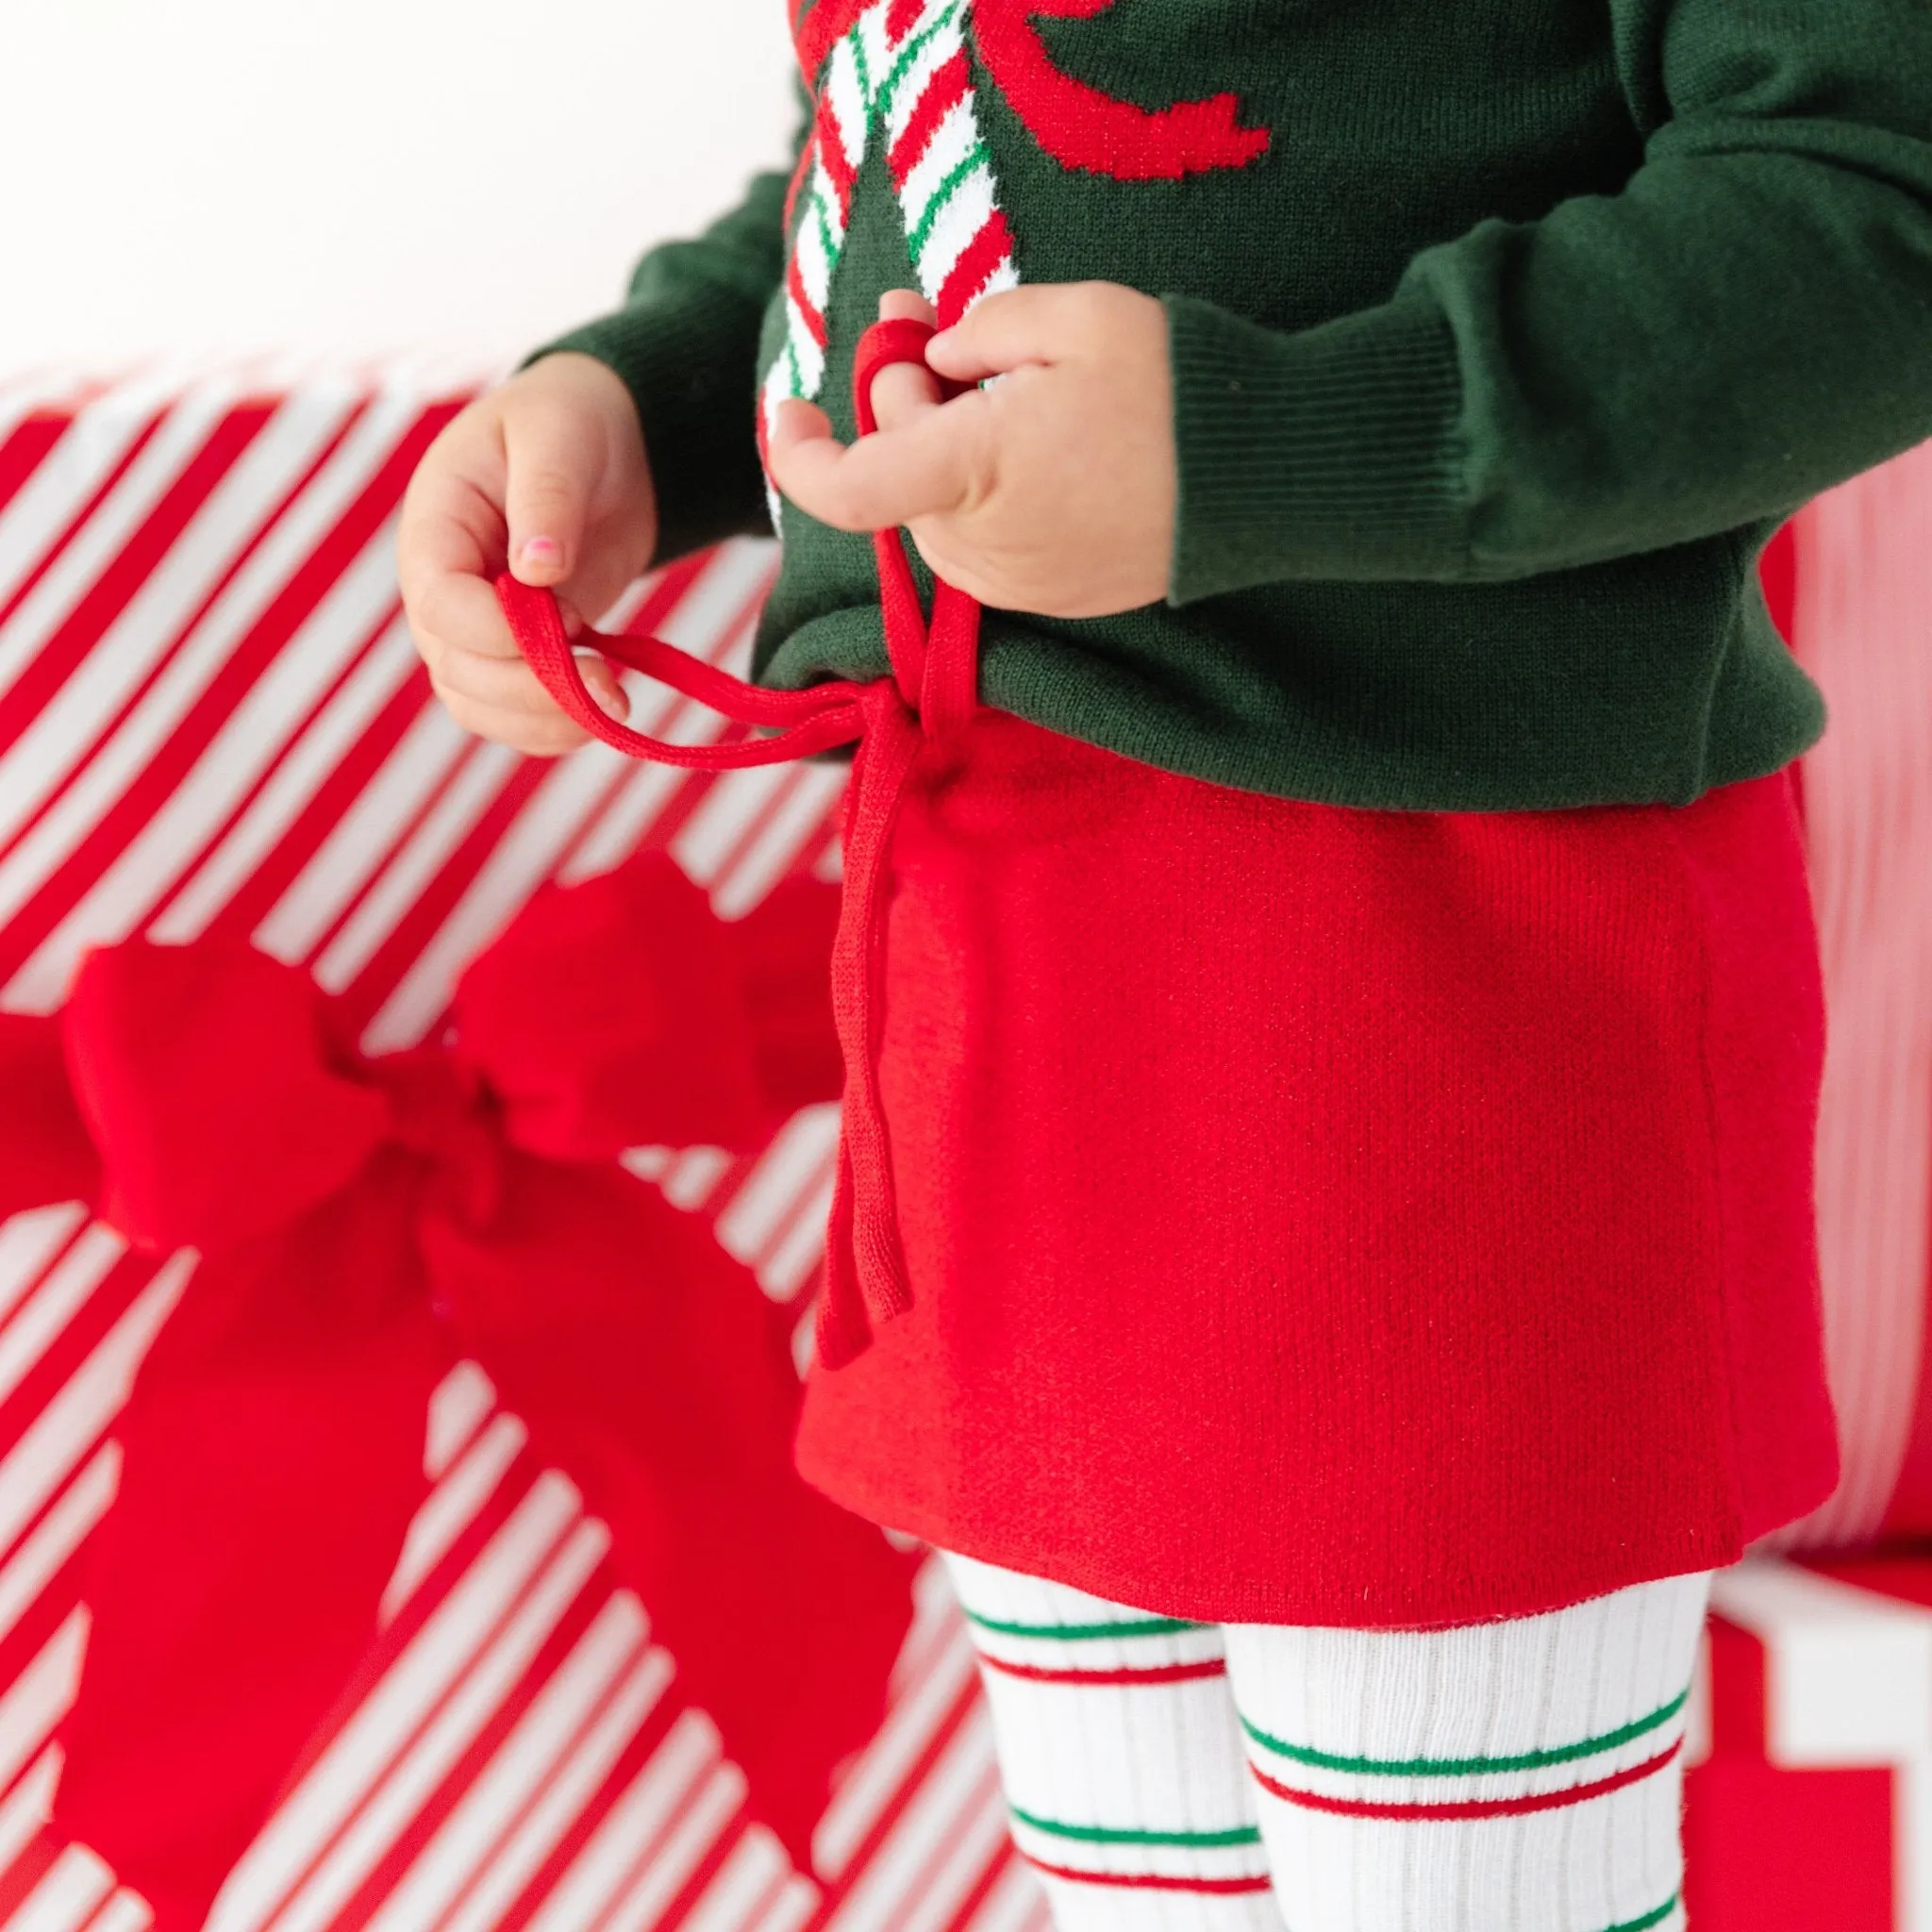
(211, 717)
(1862, 626)
(1814, 1811)
(1811, 1808)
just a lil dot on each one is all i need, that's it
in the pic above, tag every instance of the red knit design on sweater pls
(1081, 127)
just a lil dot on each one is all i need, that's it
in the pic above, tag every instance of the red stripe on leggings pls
(1476, 1807)
(1154, 1674)
(1149, 1881)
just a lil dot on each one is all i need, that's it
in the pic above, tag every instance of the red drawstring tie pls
(933, 689)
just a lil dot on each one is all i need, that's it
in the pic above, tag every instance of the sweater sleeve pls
(1747, 323)
(686, 343)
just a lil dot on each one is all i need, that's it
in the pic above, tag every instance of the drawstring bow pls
(932, 690)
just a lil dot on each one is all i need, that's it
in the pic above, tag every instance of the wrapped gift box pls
(1862, 626)
(212, 721)
(1811, 1808)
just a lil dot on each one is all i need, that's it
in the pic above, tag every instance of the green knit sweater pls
(1504, 333)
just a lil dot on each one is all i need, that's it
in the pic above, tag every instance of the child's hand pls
(546, 474)
(1052, 491)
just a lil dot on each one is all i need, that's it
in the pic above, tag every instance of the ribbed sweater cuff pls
(1330, 453)
(690, 362)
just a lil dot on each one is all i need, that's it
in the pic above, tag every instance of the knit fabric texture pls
(1380, 1219)
(1503, 334)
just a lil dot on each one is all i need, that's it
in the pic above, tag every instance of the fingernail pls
(539, 551)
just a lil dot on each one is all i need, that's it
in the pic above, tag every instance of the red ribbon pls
(932, 691)
(365, 1223)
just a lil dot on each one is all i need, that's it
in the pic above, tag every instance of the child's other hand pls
(547, 475)
(1052, 491)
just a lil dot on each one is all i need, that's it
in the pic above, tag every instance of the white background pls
(358, 177)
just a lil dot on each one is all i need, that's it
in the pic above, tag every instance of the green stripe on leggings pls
(1108, 1835)
(1471, 1767)
(1075, 1633)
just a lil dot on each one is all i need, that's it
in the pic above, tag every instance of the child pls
(1339, 1083)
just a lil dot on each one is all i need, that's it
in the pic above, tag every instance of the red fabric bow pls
(365, 1223)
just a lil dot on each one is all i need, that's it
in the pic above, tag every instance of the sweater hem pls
(1028, 673)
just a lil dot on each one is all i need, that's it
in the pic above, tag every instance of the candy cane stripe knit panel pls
(897, 84)
(936, 80)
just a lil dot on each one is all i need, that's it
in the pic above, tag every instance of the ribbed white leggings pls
(1165, 1776)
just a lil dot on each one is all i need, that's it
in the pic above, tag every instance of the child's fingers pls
(509, 684)
(501, 699)
(457, 610)
(907, 305)
(1041, 323)
(480, 675)
(923, 468)
(553, 459)
(450, 535)
(901, 390)
(543, 735)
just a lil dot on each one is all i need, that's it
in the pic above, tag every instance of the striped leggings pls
(1165, 1776)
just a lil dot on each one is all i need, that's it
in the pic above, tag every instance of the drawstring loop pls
(932, 690)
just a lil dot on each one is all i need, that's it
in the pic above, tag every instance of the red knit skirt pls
(1327, 1216)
